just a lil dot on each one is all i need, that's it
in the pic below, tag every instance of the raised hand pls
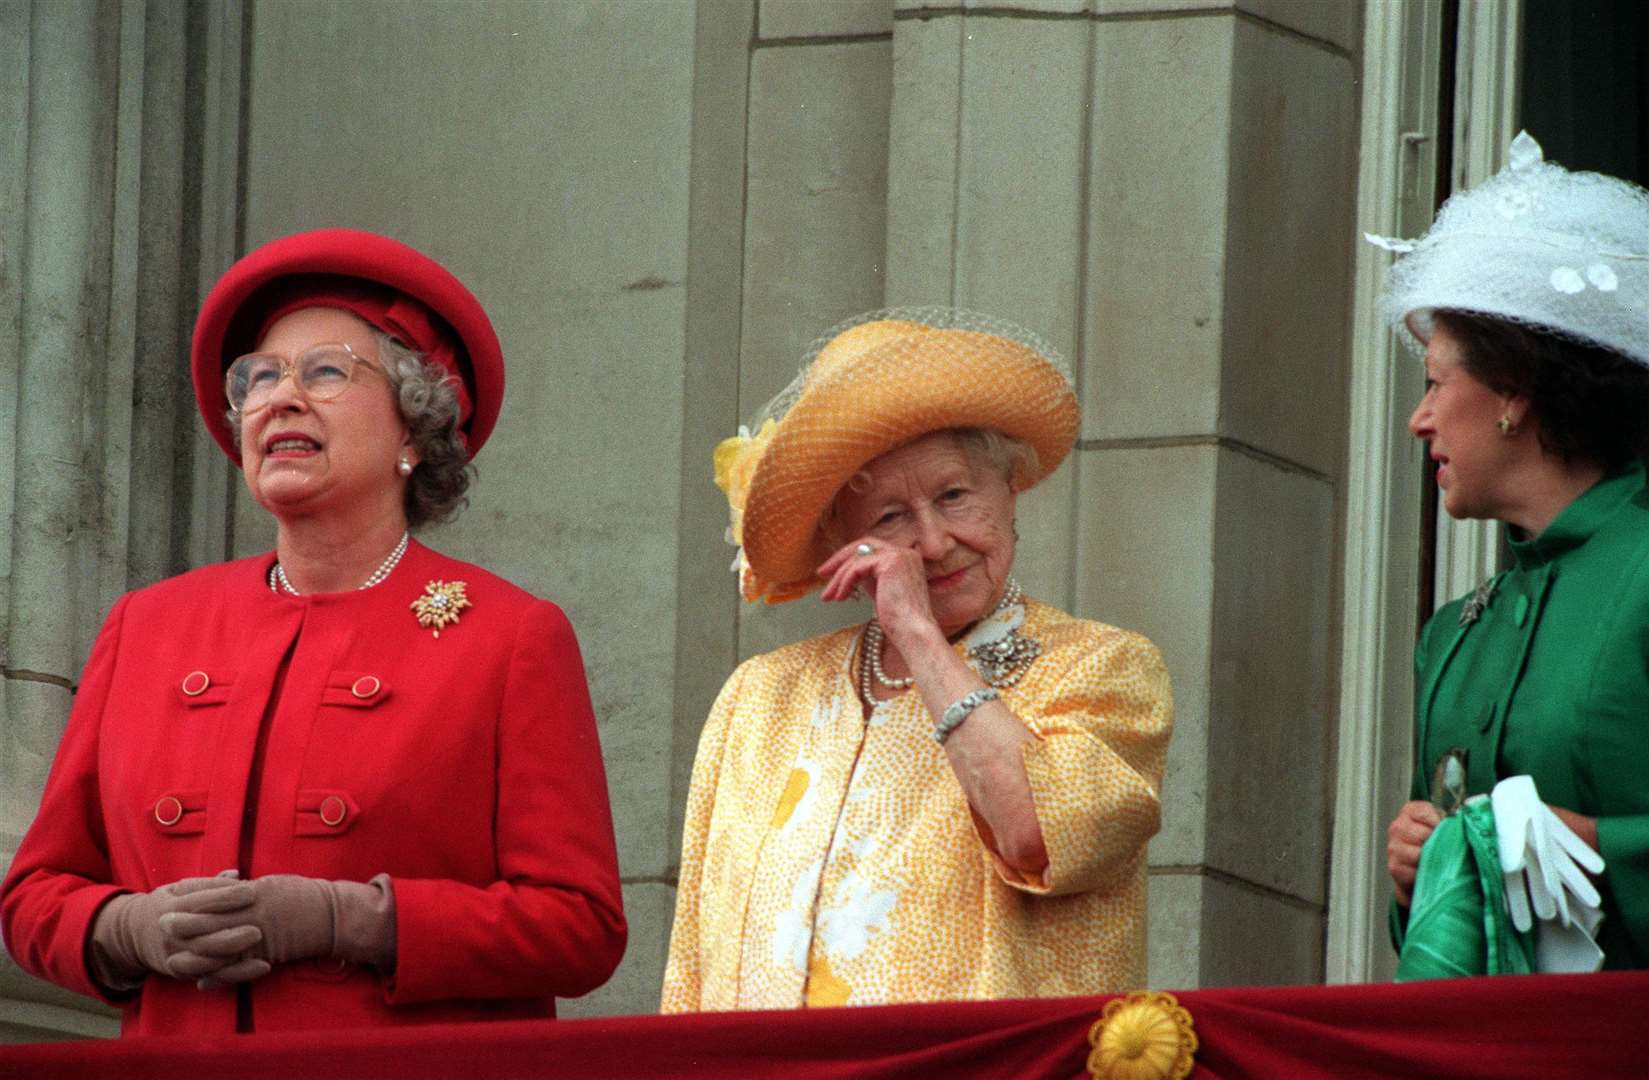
(893, 576)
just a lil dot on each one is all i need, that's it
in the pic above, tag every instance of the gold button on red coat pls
(366, 686)
(333, 810)
(195, 683)
(168, 811)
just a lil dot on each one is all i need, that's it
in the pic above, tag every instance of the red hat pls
(396, 288)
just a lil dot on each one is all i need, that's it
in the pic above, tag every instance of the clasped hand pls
(219, 931)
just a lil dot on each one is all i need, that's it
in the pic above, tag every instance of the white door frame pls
(1485, 120)
(1396, 195)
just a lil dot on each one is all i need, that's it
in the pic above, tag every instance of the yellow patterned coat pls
(828, 860)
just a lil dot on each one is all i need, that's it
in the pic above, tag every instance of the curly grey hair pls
(429, 405)
(1013, 459)
(425, 397)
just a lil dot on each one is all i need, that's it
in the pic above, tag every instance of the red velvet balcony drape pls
(1545, 1026)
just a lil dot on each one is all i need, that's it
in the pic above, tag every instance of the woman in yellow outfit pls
(952, 800)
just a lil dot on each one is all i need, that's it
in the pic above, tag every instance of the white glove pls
(1569, 948)
(1543, 862)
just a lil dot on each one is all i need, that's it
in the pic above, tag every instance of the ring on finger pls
(864, 549)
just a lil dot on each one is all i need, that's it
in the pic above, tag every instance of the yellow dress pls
(828, 860)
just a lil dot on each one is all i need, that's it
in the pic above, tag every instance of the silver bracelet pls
(959, 712)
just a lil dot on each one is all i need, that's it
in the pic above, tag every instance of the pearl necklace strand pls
(870, 663)
(278, 582)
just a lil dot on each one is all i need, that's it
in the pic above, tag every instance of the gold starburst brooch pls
(438, 608)
(1144, 1036)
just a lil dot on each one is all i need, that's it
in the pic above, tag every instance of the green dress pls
(1551, 678)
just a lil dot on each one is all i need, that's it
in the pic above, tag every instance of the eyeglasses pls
(322, 372)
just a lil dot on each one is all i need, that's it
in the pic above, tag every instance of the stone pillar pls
(1165, 191)
(821, 81)
(100, 105)
(706, 616)
(787, 237)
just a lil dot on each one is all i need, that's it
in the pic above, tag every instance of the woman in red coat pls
(351, 781)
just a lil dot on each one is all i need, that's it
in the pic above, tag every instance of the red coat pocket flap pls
(325, 812)
(354, 689)
(178, 813)
(204, 686)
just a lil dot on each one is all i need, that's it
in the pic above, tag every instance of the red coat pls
(465, 766)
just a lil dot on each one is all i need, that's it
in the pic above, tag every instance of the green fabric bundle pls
(1458, 924)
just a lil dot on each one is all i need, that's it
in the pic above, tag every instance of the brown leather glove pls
(304, 918)
(137, 933)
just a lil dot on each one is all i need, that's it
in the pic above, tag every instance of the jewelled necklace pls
(278, 582)
(870, 662)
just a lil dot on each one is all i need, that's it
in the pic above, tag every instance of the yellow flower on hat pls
(735, 461)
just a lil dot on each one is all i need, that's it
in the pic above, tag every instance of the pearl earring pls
(404, 468)
(1505, 425)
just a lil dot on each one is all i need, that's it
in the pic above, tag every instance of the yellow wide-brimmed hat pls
(871, 385)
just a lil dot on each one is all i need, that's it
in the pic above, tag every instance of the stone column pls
(821, 80)
(100, 193)
(787, 237)
(1164, 189)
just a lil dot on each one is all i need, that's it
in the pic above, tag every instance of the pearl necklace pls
(870, 662)
(278, 582)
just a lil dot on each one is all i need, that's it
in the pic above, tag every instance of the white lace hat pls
(1534, 244)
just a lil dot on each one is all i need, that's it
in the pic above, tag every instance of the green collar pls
(1576, 523)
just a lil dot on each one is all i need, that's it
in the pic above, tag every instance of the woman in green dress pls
(1530, 298)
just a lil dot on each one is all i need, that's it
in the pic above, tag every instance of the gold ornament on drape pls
(1147, 1035)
